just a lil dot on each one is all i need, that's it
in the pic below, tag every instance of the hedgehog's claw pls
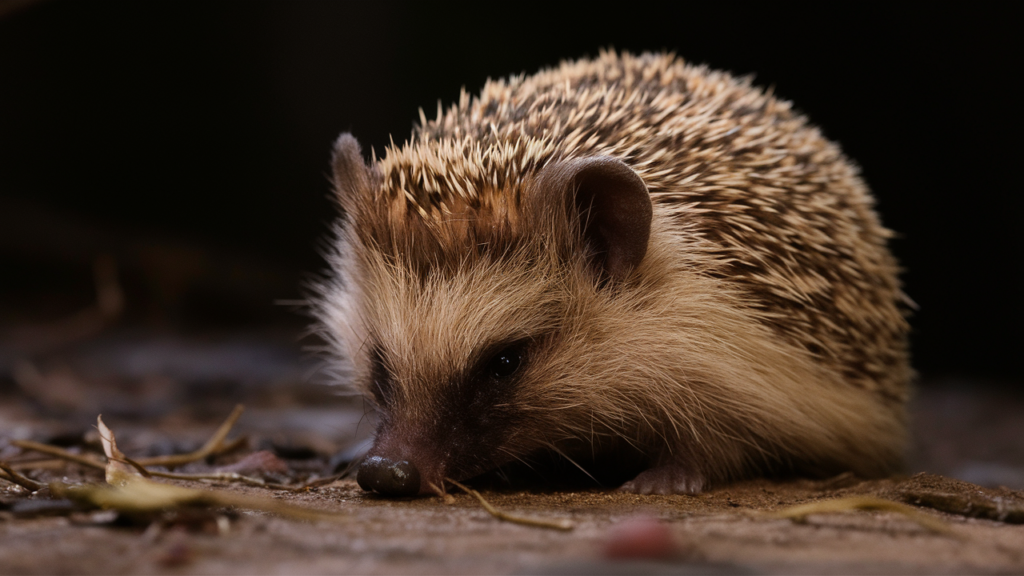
(666, 479)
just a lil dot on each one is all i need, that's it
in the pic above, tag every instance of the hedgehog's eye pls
(505, 363)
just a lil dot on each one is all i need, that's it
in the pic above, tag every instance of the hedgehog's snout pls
(388, 477)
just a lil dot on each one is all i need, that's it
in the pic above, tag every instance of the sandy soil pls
(168, 408)
(727, 531)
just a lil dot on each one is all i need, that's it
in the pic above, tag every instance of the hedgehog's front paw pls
(669, 479)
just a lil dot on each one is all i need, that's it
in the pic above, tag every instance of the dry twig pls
(59, 453)
(12, 475)
(972, 505)
(222, 477)
(39, 464)
(444, 496)
(560, 524)
(800, 512)
(213, 446)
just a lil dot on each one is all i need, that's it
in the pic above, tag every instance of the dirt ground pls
(163, 395)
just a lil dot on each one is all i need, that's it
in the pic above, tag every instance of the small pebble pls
(176, 554)
(640, 537)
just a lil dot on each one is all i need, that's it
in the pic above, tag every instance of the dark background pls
(190, 140)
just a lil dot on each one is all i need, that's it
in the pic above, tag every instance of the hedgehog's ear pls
(612, 206)
(352, 177)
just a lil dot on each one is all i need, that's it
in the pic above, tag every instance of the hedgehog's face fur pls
(474, 332)
(458, 363)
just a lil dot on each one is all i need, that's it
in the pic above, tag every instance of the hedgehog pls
(628, 261)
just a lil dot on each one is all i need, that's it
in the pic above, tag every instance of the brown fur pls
(762, 329)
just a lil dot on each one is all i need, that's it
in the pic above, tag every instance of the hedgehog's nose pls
(387, 477)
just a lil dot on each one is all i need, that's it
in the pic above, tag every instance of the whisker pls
(556, 450)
